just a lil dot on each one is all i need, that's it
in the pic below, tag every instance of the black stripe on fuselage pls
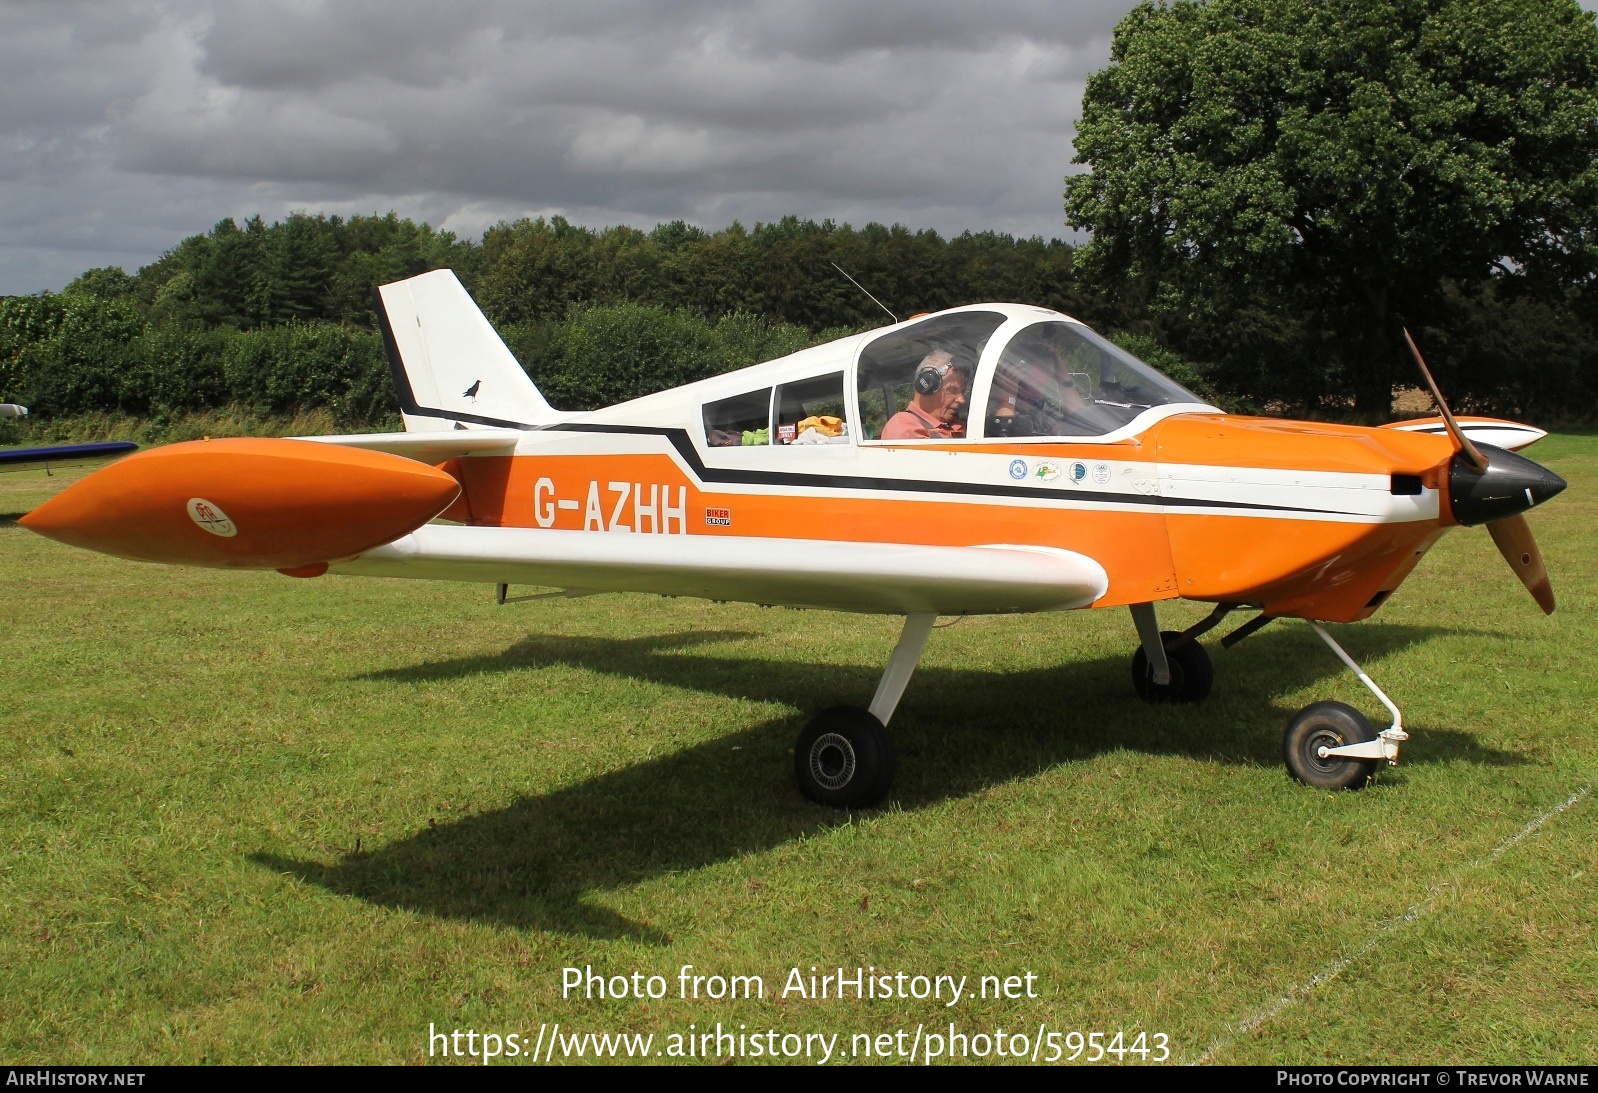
(678, 438)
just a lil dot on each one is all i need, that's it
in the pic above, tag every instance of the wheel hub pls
(832, 761)
(1319, 743)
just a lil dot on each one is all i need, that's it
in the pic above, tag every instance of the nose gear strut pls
(1331, 744)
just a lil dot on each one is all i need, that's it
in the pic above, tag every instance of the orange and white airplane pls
(1028, 465)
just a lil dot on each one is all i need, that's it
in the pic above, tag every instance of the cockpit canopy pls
(1053, 377)
(1043, 376)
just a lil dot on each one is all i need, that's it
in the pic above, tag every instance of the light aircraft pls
(988, 459)
(56, 455)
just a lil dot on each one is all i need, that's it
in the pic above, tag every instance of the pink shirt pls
(913, 423)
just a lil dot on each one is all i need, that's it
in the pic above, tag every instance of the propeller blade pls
(1515, 543)
(1463, 441)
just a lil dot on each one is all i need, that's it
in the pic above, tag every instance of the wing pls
(1510, 435)
(885, 578)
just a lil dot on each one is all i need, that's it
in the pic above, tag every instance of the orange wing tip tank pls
(246, 504)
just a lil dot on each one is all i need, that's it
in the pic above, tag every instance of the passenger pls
(1018, 397)
(938, 408)
(1034, 395)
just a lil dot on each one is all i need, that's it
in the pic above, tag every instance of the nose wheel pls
(1313, 734)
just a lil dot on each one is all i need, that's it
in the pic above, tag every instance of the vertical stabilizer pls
(450, 365)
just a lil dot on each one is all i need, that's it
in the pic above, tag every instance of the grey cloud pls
(128, 126)
(843, 29)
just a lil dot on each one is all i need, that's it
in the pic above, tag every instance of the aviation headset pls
(930, 375)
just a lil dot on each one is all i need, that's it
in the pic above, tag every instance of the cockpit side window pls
(740, 420)
(1061, 379)
(942, 353)
(811, 411)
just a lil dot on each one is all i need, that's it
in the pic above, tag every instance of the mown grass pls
(249, 818)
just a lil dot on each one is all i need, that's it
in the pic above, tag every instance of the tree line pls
(279, 317)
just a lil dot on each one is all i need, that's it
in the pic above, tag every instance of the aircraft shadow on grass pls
(535, 862)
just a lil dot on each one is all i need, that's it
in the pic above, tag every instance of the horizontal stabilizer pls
(876, 578)
(430, 448)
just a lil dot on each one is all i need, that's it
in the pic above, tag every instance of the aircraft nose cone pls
(1512, 484)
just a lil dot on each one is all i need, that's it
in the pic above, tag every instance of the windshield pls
(1061, 379)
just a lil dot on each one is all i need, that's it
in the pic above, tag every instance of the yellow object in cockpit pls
(825, 424)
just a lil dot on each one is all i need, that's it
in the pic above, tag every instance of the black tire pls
(1192, 674)
(1331, 725)
(844, 758)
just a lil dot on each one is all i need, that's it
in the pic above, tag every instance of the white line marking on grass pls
(1416, 912)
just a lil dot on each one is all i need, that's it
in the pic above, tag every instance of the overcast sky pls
(126, 125)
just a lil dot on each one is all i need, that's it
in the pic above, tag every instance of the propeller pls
(1461, 441)
(1493, 483)
(1515, 543)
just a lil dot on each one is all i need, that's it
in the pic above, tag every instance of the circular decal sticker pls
(211, 517)
(1018, 469)
(1079, 471)
(1101, 473)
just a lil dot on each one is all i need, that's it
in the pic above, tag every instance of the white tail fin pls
(450, 366)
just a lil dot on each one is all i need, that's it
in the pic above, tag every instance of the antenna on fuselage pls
(862, 288)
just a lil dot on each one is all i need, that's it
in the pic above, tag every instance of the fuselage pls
(1177, 500)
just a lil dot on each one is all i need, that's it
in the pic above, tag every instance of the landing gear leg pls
(844, 756)
(1331, 745)
(901, 666)
(1169, 666)
(1148, 632)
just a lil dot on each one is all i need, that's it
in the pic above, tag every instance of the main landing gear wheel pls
(1192, 675)
(844, 758)
(1327, 725)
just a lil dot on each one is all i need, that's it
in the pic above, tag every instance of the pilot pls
(938, 408)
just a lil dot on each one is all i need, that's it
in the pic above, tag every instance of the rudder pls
(451, 368)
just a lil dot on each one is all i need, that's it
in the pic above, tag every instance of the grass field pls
(249, 818)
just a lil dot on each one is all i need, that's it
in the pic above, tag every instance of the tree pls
(1286, 182)
(105, 282)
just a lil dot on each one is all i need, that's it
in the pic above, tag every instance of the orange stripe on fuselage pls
(1292, 564)
(1298, 567)
(1131, 546)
